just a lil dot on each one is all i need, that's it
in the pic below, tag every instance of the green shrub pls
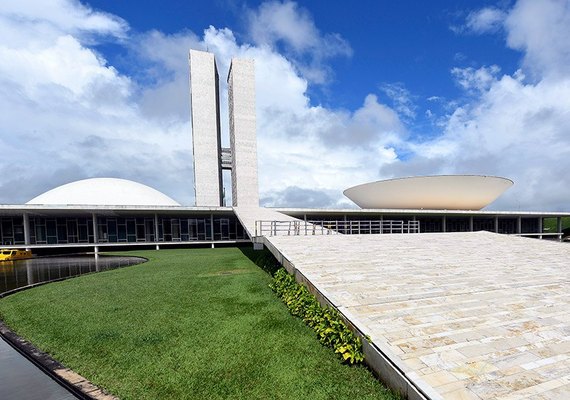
(331, 329)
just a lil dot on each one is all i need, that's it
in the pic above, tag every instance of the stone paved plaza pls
(464, 315)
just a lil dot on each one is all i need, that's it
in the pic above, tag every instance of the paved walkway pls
(464, 315)
(22, 380)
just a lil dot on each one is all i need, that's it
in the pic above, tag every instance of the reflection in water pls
(15, 274)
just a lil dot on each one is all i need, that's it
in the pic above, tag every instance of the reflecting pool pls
(15, 274)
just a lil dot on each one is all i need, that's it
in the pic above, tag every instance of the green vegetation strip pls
(188, 324)
(330, 328)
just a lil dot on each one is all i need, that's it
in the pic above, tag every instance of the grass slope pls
(200, 324)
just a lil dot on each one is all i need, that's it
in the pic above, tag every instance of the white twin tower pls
(210, 158)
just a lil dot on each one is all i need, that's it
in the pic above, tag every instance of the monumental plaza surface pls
(463, 315)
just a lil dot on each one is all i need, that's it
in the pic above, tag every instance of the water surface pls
(15, 274)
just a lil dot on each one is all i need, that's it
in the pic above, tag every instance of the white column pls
(95, 236)
(26, 223)
(95, 229)
(156, 229)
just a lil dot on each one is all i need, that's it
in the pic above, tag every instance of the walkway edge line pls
(380, 363)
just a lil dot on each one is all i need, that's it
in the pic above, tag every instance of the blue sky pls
(345, 94)
(409, 43)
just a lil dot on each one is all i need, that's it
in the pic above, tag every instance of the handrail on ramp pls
(334, 227)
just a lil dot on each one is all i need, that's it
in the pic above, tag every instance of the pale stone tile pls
(476, 350)
(439, 378)
(477, 306)
(461, 394)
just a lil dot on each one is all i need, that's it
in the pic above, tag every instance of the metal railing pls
(356, 227)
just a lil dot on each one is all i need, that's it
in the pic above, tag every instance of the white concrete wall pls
(243, 141)
(205, 111)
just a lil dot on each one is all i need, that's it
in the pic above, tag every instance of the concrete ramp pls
(450, 315)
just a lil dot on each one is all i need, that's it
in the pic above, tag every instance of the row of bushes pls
(326, 321)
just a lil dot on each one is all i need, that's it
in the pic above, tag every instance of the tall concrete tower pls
(209, 157)
(243, 140)
(206, 135)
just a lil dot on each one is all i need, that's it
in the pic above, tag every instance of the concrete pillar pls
(519, 225)
(471, 223)
(496, 224)
(96, 252)
(212, 227)
(540, 227)
(156, 229)
(95, 229)
(444, 224)
(26, 222)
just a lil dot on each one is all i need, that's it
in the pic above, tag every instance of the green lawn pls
(550, 224)
(199, 324)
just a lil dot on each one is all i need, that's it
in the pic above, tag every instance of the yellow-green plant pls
(331, 329)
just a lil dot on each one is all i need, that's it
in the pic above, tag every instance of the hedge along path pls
(326, 321)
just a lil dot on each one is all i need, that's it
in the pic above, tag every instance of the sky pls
(345, 94)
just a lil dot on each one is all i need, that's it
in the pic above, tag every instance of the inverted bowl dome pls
(444, 192)
(104, 192)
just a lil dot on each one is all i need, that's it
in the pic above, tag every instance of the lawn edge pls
(80, 386)
(72, 381)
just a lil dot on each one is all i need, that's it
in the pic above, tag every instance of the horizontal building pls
(37, 227)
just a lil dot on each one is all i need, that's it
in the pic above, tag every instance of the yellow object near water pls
(14, 254)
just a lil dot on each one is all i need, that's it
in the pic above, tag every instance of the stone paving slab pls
(472, 315)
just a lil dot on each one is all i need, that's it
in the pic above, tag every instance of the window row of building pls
(366, 224)
(156, 228)
(77, 230)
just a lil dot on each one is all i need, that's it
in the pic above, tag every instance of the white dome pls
(104, 192)
(443, 192)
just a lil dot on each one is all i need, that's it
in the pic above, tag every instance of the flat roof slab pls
(464, 315)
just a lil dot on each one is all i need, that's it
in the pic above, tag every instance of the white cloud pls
(85, 118)
(475, 79)
(288, 27)
(485, 20)
(67, 114)
(401, 97)
(541, 30)
(27, 22)
(512, 126)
